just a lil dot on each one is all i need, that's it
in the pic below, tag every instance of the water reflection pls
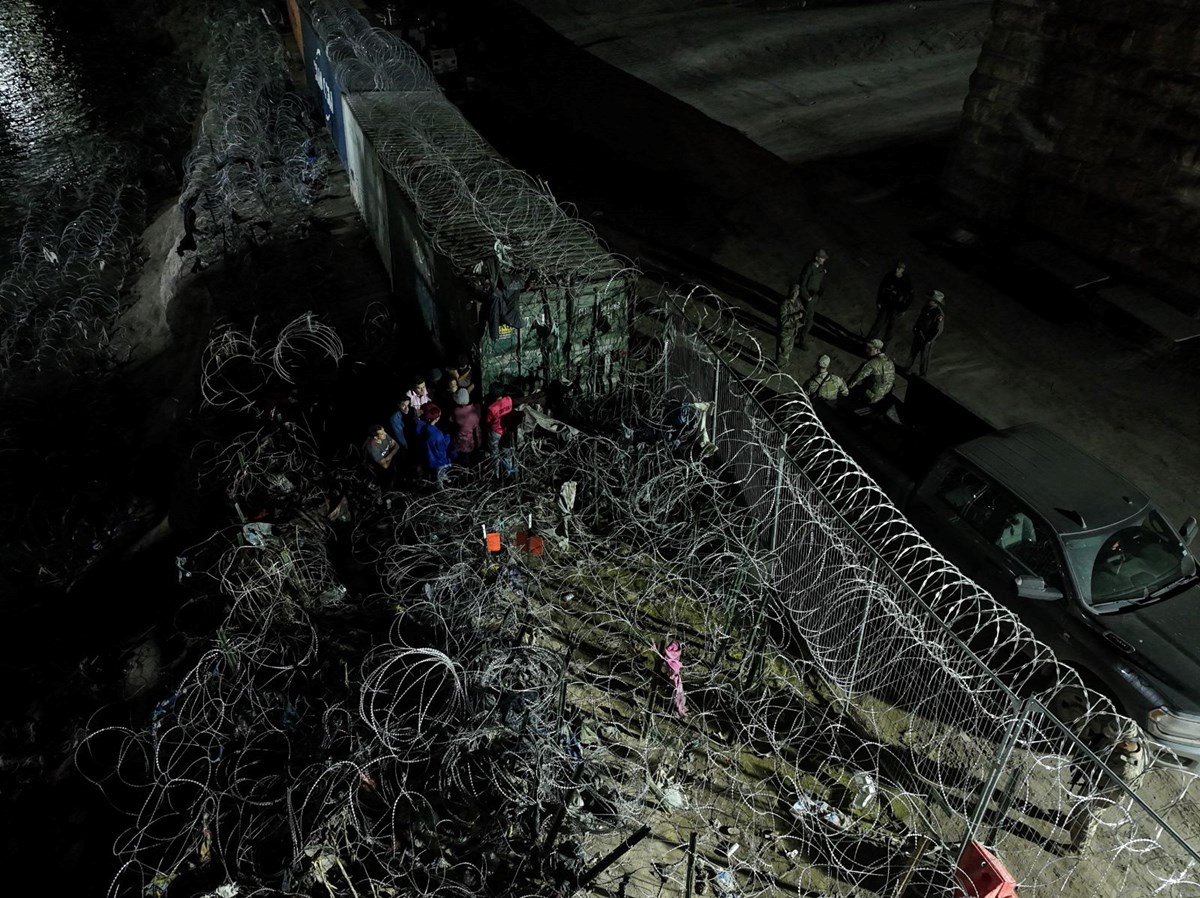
(41, 101)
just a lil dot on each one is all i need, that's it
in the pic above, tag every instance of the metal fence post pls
(780, 463)
(666, 361)
(1015, 726)
(716, 393)
(753, 645)
(858, 644)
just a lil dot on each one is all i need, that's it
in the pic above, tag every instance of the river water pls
(82, 86)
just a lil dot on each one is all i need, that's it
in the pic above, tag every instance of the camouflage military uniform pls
(826, 385)
(791, 313)
(875, 377)
(1121, 748)
(799, 309)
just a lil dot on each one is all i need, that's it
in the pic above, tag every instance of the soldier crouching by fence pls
(1119, 744)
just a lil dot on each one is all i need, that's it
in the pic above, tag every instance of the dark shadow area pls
(608, 142)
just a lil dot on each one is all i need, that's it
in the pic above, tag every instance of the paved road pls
(802, 81)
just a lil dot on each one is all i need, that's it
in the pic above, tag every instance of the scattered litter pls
(158, 885)
(725, 883)
(672, 655)
(332, 595)
(673, 798)
(280, 484)
(530, 542)
(256, 533)
(865, 791)
(491, 540)
(808, 806)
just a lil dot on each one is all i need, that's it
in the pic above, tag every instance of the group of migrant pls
(439, 423)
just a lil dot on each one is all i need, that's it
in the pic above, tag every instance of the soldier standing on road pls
(873, 380)
(893, 299)
(799, 309)
(824, 384)
(790, 315)
(1119, 744)
(926, 329)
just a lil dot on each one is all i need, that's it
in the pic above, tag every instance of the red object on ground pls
(493, 542)
(530, 542)
(980, 874)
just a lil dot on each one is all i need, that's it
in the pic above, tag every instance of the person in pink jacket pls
(468, 435)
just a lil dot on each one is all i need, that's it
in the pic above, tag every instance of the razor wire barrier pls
(388, 708)
(257, 165)
(62, 294)
(982, 657)
(459, 187)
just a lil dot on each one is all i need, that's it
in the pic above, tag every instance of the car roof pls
(1074, 492)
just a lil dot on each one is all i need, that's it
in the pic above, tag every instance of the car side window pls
(961, 490)
(1015, 531)
(1001, 520)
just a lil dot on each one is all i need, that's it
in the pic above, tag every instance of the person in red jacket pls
(468, 436)
(499, 407)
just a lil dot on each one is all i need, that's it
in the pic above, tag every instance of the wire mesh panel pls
(920, 672)
(1084, 806)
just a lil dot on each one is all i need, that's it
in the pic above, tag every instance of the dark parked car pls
(1085, 559)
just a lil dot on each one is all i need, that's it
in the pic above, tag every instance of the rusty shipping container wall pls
(573, 322)
(577, 334)
(570, 329)
(435, 298)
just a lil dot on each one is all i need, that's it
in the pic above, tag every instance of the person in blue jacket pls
(436, 442)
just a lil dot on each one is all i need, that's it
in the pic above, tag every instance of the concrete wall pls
(1083, 119)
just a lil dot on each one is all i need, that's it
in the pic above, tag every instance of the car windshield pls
(1130, 561)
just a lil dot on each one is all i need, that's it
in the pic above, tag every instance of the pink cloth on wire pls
(675, 666)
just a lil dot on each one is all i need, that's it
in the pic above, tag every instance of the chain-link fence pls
(943, 690)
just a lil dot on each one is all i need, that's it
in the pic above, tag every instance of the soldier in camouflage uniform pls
(873, 380)
(824, 384)
(797, 312)
(1118, 742)
(791, 313)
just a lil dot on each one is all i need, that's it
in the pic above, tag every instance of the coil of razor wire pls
(435, 725)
